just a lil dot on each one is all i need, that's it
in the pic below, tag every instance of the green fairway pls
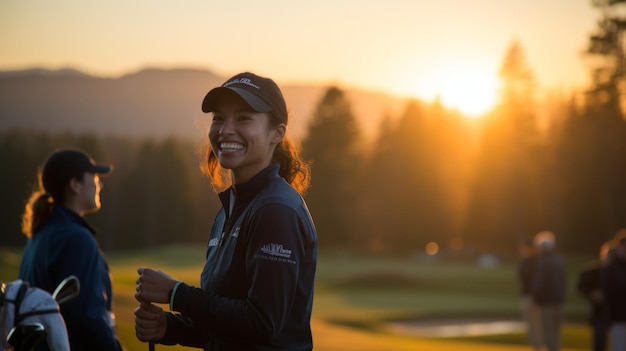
(358, 296)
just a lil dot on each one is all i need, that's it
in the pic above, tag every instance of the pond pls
(456, 327)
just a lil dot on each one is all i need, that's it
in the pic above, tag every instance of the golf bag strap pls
(34, 313)
(21, 292)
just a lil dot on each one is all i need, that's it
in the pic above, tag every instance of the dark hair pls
(39, 205)
(293, 169)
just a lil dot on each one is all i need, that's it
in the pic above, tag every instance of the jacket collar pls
(62, 211)
(245, 192)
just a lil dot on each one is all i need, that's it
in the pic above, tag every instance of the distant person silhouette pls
(549, 289)
(257, 283)
(614, 289)
(589, 284)
(61, 243)
(525, 272)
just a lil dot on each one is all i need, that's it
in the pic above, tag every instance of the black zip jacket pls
(257, 282)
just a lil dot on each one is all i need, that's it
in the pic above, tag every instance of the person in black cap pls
(61, 243)
(257, 283)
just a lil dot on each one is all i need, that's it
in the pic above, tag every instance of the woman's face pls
(242, 139)
(89, 192)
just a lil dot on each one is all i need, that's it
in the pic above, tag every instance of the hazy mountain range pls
(151, 102)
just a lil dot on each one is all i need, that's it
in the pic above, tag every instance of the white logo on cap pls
(246, 81)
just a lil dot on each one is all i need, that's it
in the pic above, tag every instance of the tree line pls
(155, 195)
(431, 175)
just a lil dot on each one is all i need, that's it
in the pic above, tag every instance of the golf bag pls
(29, 316)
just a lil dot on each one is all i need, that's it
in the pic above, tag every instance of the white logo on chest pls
(276, 250)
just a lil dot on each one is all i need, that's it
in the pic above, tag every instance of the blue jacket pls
(64, 246)
(257, 283)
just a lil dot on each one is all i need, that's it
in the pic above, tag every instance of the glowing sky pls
(413, 47)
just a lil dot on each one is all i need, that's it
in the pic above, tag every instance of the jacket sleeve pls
(88, 317)
(275, 249)
(181, 330)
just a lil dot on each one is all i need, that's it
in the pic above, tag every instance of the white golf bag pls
(30, 316)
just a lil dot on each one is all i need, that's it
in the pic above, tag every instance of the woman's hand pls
(150, 322)
(153, 286)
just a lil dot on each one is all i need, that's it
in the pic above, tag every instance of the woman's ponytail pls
(36, 212)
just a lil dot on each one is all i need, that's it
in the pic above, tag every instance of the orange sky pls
(420, 48)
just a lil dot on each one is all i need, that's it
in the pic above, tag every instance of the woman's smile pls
(228, 147)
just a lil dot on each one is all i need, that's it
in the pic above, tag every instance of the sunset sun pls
(471, 92)
(470, 88)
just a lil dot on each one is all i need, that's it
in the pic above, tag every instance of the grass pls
(357, 296)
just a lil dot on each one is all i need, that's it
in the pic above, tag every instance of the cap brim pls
(212, 98)
(100, 169)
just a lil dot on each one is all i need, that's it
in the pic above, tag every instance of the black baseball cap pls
(262, 94)
(65, 164)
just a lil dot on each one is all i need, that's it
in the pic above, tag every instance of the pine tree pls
(507, 201)
(333, 145)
